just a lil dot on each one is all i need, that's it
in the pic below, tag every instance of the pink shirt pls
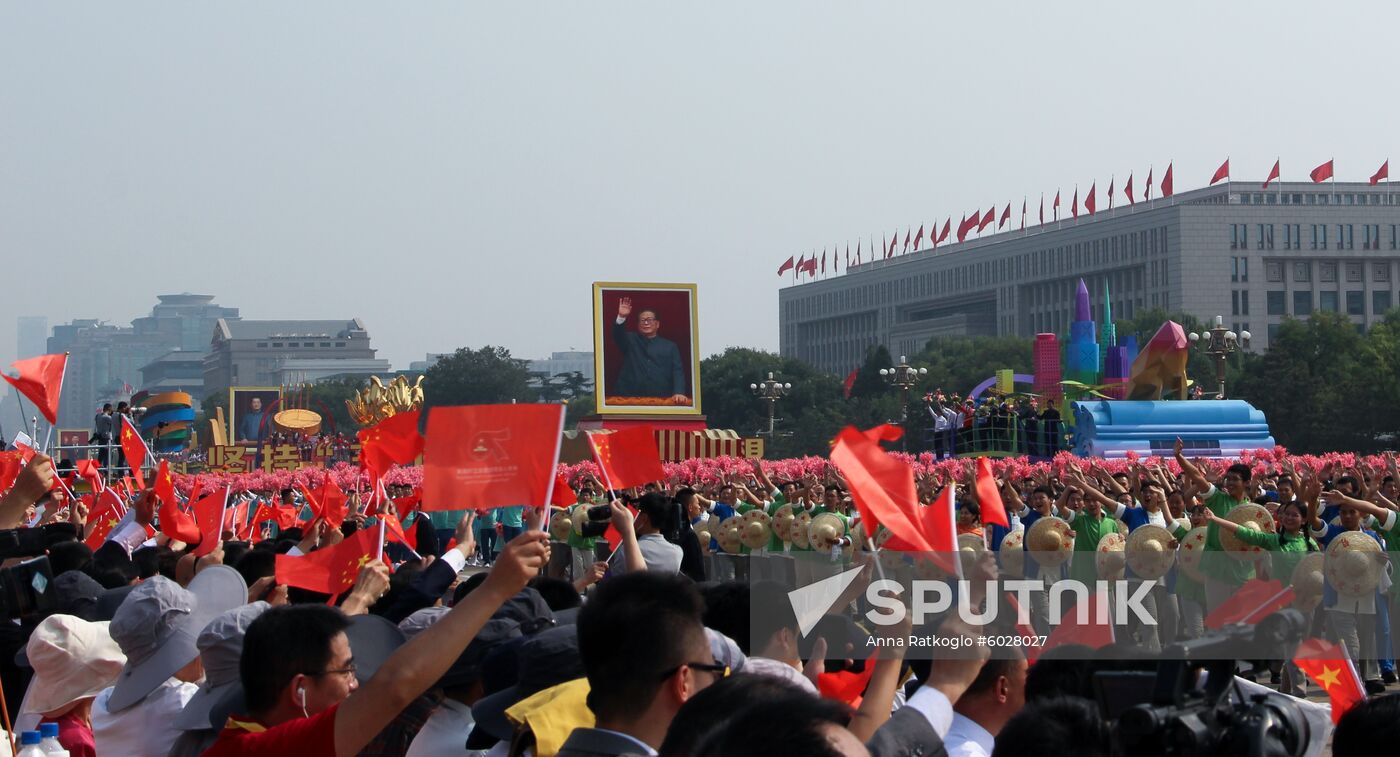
(75, 735)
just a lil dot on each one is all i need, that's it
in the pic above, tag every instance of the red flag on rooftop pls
(906, 239)
(919, 237)
(987, 219)
(491, 455)
(174, 522)
(1381, 173)
(1005, 216)
(1110, 193)
(1167, 182)
(332, 570)
(962, 229)
(1042, 209)
(1074, 204)
(947, 227)
(1330, 667)
(1089, 203)
(1322, 173)
(1128, 189)
(1147, 188)
(1273, 174)
(1055, 206)
(1223, 172)
(40, 380)
(628, 457)
(785, 267)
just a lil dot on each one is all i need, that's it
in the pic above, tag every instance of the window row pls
(1327, 270)
(1344, 236)
(1327, 301)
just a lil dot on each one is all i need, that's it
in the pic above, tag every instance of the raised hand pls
(521, 560)
(624, 307)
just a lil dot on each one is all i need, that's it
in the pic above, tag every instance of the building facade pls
(274, 353)
(1251, 255)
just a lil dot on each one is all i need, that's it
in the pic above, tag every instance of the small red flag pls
(893, 242)
(962, 229)
(1023, 212)
(1223, 172)
(906, 239)
(1055, 206)
(332, 502)
(1381, 173)
(264, 514)
(1096, 631)
(785, 267)
(1128, 189)
(1005, 216)
(1322, 173)
(562, 495)
(10, 466)
(333, 569)
(40, 380)
(1273, 174)
(393, 530)
(947, 227)
(209, 518)
(1330, 667)
(629, 457)
(1250, 603)
(1110, 193)
(1147, 190)
(1042, 210)
(134, 447)
(1089, 203)
(850, 382)
(919, 237)
(89, 471)
(987, 219)
(104, 517)
(174, 522)
(392, 440)
(823, 261)
(989, 496)
(1074, 204)
(491, 455)
(1167, 182)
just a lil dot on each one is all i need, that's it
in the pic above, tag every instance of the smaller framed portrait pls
(646, 349)
(250, 413)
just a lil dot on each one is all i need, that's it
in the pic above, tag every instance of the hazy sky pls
(456, 174)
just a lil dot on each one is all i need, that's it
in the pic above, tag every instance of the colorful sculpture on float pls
(1082, 352)
(1161, 366)
(168, 420)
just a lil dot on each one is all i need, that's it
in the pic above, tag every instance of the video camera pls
(597, 522)
(1192, 705)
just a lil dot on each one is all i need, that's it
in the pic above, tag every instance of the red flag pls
(265, 513)
(332, 503)
(846, 686)
(939, 522)
(885, 432)
(1074, 204)
(906, 239)
(628, 457)
(10, 466)
(1330, 667)
(785, 267)
(1128, 189)
(1023, 212)
(1042, 209)
(893, 242)
(40, 380)
(174, 522)
(801, 265)
(987, 219)
(850, 382)
(209, 518)
(1147, 190)
(103, 517)
(491, 455)
(1055, 206)
(962, 229)
(1096, 631)
(812, 265)
(823, 261)
(1250, 603)
(313, 503)
(392, 440)
(1381, 173)
(89, 471)
(1024, 630)
(1273, 174)
(858, 252)
(1110, 193)
(134, 447)
(1320, 174)
(919, 237)
(563, 495)
(947, 227)
(332, 570)
(1089, 203)
(393, 530)
(1166, 182)
(988, 496)
(1005, 216)
(1223, 172)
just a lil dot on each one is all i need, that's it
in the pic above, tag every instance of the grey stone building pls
(273, 353)
(1251, 255)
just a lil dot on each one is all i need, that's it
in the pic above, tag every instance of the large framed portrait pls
(250, 413)
(646, 349)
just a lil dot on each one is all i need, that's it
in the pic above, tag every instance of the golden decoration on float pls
(377, 401)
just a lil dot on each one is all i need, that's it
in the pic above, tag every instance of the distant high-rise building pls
(31, 336)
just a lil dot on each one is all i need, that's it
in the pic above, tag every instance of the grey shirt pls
(659, 554)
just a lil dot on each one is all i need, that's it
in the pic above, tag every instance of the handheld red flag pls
(89, 471)
(331, 570)
(1094, 630)
(10, 466)
(491, 455)
(989, 496)
(333, 502)
(393, 530)
(134, 447)
(563, 494)
(1250, 603)
(209, 518)
(1223, 172)
(629, 457)
(392, 440)
(104, 517)
(1330, 667)
(849, 383)
(40, 380)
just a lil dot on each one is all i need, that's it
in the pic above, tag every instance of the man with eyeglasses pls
(651, 364)
(645, 653)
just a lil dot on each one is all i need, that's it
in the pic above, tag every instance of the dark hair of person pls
(256, 564)
(282, 643)
(1065, 725)
(995, 667)
(1241, 470)
(660, 511)
(285, 493)
(635, 629)
(1303, 512)
(1370, 727)
(234, 551)
(467, 585)
(1047, 491)
(711, 711)
(1348, 479)
(684, 494)
(147, 561)
(793, 724)
(69, 555)
(1060, 672)
(727, 611)
(557, 593)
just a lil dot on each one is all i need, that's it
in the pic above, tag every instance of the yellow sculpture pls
(376, 402)
(1160, 366)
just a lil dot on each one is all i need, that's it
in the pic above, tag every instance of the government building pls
(1251, 255)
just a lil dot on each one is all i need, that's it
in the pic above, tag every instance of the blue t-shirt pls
(513, 516)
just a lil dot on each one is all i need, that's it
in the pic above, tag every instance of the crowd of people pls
(636, 628)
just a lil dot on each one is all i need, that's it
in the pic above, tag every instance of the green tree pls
(812, 412)
(478, 377)
(330, 396)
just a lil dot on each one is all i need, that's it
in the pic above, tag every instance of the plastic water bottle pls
(29, 745)
(48, 735)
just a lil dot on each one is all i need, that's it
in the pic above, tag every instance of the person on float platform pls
(1351, 619)
(1224, 574)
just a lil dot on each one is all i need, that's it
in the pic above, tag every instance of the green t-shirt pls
(775, 544)
(445, 519)
(1215, 563)
(1285, 552)
(513, 516)
(485, 520)
(1088, 532)
(580, 511)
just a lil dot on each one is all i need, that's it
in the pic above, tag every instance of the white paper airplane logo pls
(811, 603)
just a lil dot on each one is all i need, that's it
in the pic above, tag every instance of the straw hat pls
(1251, 516)
(826, 531)
(1354, 563)
(704, 537)
(798, 532)
(1189, 552)
(1109, 556)
(1049, 539)
(858, 537)
(578, 516)
(1013, 556)
(729, 533)
(1149, 553)
(783, 519)
(560, 526)
(1307, 580)
(756, 530)
(1122, 527)
(72, 660)
(970, 543)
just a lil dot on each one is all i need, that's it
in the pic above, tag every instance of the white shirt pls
(445, 732)
(642, 746)
(968, 739)
(767, 666)
(145, 729)
(934, 706)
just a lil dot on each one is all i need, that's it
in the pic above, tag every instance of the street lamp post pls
(1220, 343)
(770, 390)
(905, 377)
